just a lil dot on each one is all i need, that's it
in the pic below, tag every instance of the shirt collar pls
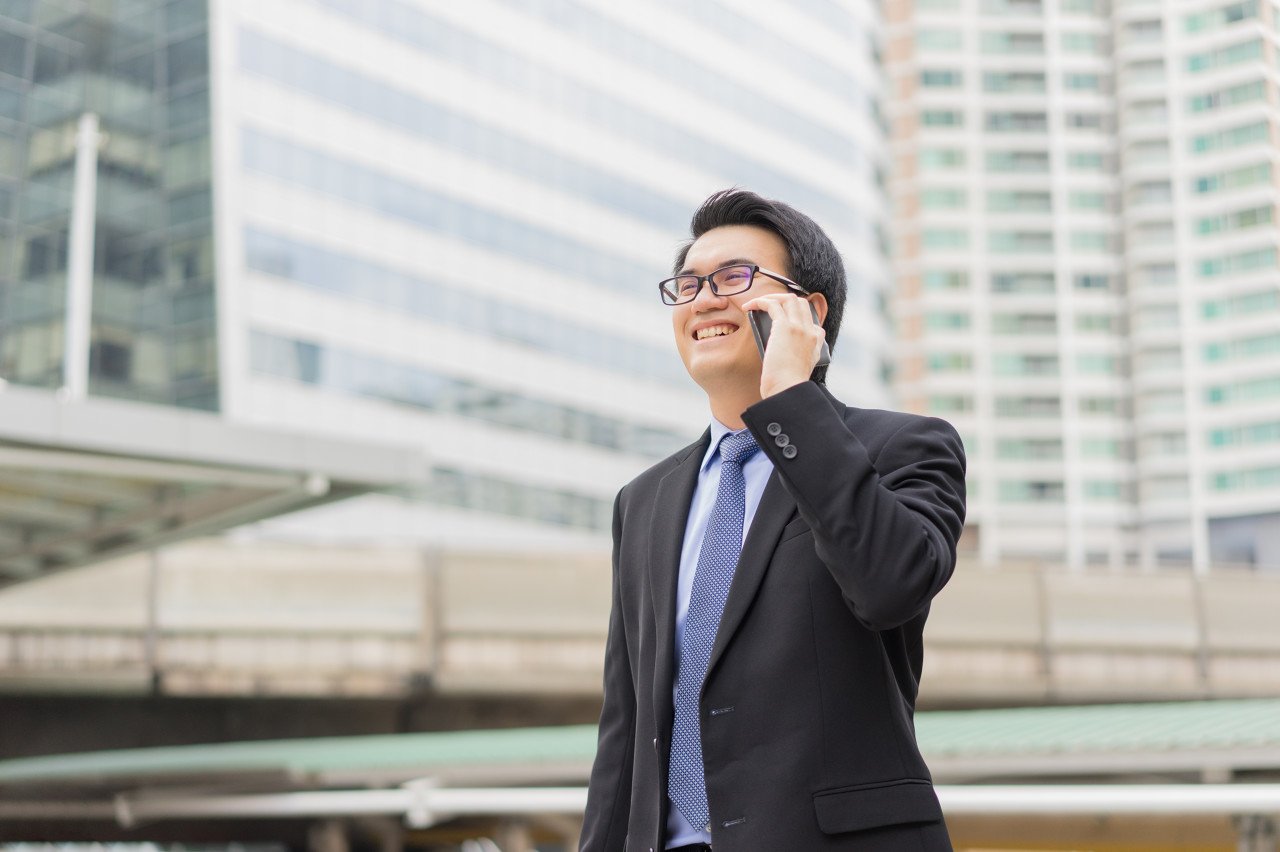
(718, 431)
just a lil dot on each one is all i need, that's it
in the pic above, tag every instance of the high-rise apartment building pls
(436, 224)
(1085, 221)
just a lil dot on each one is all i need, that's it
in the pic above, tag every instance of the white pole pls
(75, 351)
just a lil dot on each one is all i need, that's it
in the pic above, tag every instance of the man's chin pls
(717, 374)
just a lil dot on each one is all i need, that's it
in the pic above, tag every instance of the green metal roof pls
(1249, 726)
(325, 755)
(1166, 727)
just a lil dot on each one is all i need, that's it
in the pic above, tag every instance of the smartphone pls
(762, 323)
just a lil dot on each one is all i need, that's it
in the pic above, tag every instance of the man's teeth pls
(714, 331)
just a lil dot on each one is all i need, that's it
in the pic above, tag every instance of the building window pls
(1036, 449)
(1022, 162)
(1022, 282)
(1028, 406)
(1013, 81)
(946, 320)
(931, 40)
(950, 362)
(1024, 323)
(1093, 241)
(945, 239)
(941, 79)
(1239, 262)
(1026, 44)
(1017, 122)
(1245, 93)
(1090, 323)
(1237, 220)
(1100, 281)
(1258, 132)
(1088, 161)
(1223, 16)
(1099, 364)
(945, 279)
(1224, 57)
(1098, 201)
(1020, 242)
(950, 404)
(1246, 304)
(1012, 364)
(1087, 121)
(1033, 491)
(942, 118)
(1021, 201)
(1087, 43)
(1084, 82)
(1251, 175)
(941, 159)
(943, 199)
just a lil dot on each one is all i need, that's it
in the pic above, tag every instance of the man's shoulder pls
(650, 477)
(888, 421)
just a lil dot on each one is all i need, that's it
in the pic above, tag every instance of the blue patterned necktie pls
(717, 560)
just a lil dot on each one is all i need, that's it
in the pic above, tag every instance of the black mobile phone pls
(762, 323)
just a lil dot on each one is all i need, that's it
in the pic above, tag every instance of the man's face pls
(716, 359)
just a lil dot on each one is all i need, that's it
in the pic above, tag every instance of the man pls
(771, 580)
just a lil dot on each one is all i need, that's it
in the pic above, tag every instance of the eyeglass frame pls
(705, 280)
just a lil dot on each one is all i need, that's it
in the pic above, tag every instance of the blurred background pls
(329, 330)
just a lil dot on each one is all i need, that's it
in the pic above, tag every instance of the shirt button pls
(782, 440)
(773, 429)
(789, 451)
(655, 743)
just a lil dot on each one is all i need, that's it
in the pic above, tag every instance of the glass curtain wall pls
(143, 67)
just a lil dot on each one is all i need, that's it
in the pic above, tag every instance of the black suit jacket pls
(807, 732)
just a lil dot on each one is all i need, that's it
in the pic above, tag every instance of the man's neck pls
(727, 406)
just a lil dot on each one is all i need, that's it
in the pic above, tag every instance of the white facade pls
(1086, 221)
(443, 224)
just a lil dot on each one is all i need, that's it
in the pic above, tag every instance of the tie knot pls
(737, 447)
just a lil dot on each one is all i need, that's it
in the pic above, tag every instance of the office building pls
(428, 224)
(1085, 200)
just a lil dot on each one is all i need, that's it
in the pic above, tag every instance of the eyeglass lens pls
(727, 281)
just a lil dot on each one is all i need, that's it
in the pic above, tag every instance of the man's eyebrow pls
(733, 261)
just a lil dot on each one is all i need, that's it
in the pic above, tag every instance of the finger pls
(772, 303)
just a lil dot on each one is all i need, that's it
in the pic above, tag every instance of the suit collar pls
(670, 517)
(666, 537)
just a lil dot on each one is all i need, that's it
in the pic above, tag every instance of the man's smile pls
(707, 332)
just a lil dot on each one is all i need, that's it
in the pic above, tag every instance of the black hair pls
(812, 259)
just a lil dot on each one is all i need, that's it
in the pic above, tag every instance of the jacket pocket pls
(907, 800)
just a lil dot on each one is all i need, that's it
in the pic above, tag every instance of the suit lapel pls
(666, 537)
(775, 509)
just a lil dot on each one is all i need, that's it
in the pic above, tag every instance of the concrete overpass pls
(214, 618)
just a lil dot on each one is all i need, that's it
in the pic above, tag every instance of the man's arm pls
(604, 825)
(888, 531)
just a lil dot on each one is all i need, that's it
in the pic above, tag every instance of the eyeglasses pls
(726, 281)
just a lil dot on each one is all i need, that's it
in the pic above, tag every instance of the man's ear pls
(819, 301)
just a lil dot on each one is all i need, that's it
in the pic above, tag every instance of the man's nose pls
(707, 299)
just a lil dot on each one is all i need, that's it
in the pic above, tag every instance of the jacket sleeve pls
(885, 527)
(608, 809)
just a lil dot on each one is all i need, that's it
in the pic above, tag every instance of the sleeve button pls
(774, 429)
(789, 451)
(782, 440)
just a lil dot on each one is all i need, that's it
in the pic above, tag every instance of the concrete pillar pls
(328, 836)
(514, 836)
(387, 833)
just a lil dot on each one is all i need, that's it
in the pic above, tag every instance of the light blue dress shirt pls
(756, 474)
